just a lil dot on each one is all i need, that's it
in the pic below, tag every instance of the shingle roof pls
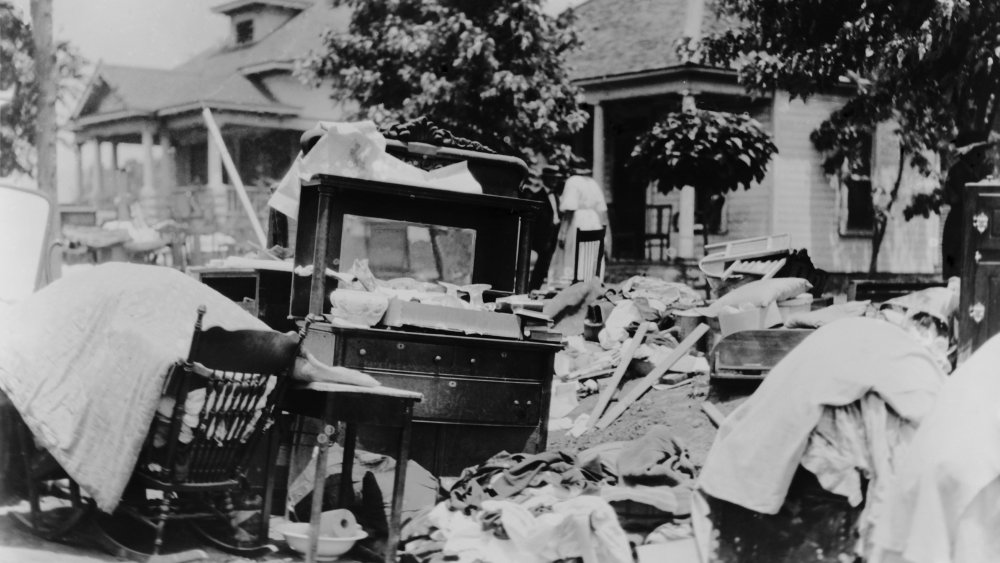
(627, 36)
(215, 75)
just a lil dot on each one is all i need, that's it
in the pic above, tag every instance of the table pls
(377, 406)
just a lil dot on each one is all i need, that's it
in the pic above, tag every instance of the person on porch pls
(582, 207)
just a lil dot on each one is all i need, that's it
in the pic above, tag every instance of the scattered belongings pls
(762, 443)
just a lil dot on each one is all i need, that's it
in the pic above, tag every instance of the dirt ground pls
(678, 409)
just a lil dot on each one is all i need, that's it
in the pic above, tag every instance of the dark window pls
(858, 184)
(860, 213)
(244, 32)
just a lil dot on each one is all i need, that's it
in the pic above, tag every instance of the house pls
(247, 82)
(631, 76)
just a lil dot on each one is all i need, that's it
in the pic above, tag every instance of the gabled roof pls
(220, 76)
(629, 36)
(241, 4)
(291, 41)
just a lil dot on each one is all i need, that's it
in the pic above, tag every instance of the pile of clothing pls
(555, 506)
(521, 508)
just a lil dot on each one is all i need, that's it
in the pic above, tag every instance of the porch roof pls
(229, 77)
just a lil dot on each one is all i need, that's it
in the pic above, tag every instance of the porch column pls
(114, 157)
(215, 185)
(74, 194)
(147, 194)
(599, 165)
(98, 187)
(685, 215)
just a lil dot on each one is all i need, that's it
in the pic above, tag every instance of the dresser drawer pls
(507, 363)
(396, 355)
(470, 400)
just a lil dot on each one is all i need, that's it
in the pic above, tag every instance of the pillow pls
(761, 293)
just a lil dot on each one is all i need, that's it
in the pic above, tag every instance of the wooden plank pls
(616, 377)
(713, 413)
(653, 376)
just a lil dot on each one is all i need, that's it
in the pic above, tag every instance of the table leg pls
(274, 437)
(398, 486)
(346, 491)
(323, 442)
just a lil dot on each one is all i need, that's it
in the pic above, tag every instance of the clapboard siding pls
(805, 201)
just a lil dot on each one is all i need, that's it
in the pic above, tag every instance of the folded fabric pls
(759, 446)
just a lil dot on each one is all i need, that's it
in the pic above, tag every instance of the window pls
(857, 215)
(244, 32)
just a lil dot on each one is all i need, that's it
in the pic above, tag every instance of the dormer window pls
(244, 32)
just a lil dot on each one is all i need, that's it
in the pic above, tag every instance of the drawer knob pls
(400, 346)
(437, 358)
(362, 352)
(472, 360)
(452, 384)
(516, 402)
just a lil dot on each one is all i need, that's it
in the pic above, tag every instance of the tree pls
(714, 152)
(490, 70)
(929, 66)
(20, 119)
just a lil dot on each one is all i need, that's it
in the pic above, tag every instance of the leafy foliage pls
(490, 70)
(713, 151)
(17, 75)
(930, 66)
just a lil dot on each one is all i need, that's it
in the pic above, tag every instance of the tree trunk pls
(881, 222)
(46, 131)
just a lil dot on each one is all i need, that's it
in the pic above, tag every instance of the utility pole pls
(46, 131)
(45, 74)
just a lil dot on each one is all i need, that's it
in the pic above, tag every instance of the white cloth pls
(943, 506)
(357, 150)
(542, 528)
(759, 446)
(84, 361)
(584, 196)
(862, 439)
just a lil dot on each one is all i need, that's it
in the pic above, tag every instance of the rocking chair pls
(217, 406)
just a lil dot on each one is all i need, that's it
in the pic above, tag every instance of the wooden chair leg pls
(161, 524)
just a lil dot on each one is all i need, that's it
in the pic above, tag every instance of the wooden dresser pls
(482, 395)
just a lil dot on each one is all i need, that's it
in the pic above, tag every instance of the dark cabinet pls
(979, 311)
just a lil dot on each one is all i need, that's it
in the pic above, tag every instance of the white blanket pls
(84, 362)
(761, 443)
(944, 505)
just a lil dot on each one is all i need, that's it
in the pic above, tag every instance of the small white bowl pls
(328, 548)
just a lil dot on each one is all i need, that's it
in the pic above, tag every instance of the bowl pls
(328, 548)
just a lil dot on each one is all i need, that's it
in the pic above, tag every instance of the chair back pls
(221, 401)
(589, 254)
(25, 219)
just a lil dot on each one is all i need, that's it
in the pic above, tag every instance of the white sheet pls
(942, 505)
(84, 360)
(761, 443)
